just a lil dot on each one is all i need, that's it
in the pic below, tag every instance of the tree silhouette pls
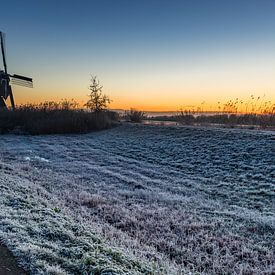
(98, 101)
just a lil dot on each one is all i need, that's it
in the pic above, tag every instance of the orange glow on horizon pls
(256, 104)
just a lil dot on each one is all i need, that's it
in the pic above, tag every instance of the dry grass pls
(54, 118)
(263, 120)
(191, 118)
(255, 111)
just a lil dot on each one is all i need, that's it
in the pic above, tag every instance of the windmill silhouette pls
(6, 79)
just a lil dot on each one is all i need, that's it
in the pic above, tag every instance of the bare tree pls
(98, 101)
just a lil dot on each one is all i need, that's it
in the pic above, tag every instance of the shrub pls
(135, 116)
(54, 119)
(185, 117)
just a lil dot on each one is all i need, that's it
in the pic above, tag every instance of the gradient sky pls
(148, 54)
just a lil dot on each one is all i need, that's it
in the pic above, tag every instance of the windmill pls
(6, 78)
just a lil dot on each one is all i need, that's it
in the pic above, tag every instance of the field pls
(140, 199)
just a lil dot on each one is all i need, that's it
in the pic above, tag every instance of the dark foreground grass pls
(8, 264)
(41, 121)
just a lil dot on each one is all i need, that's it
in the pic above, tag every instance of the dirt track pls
(8, 264)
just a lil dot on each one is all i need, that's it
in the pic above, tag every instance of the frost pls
(41, 159)
(37, 158)
(138, 199)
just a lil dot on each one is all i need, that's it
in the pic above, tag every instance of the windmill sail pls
(21, 80)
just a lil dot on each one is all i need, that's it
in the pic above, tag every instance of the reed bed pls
(54, 118)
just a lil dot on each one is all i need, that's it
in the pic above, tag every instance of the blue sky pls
(147, 54)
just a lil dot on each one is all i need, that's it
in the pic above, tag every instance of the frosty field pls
(140, 199)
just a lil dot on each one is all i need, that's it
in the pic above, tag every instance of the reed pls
(54, 118)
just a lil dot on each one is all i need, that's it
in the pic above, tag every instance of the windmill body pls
(6, 79)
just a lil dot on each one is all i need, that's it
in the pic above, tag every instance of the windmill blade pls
(21, 80)
(21, 77)
(22, 83)
(3, 50)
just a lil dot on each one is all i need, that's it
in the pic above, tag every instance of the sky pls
(148, 54)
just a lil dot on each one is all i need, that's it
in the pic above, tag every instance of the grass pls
(189, 118)
(230, 119)
(54, 118)
(255, 111)
(176, 199)
(49, 242)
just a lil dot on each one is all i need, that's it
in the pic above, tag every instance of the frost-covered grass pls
(46, 240)
(140, 198)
